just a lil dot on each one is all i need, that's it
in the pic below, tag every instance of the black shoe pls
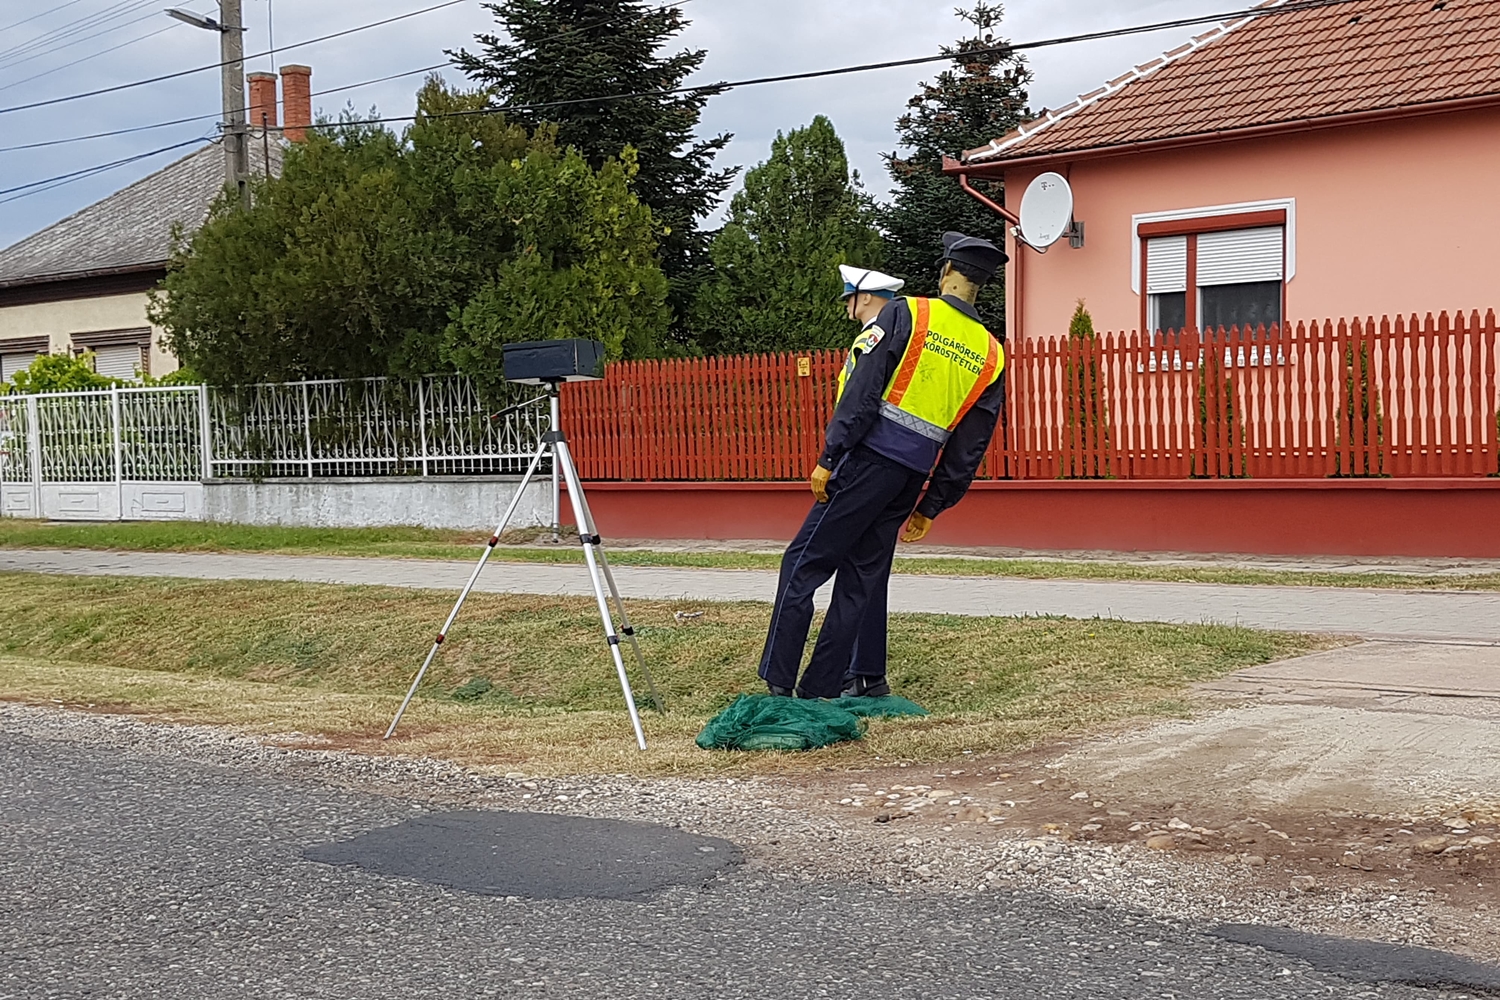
(867, 687)
(779, 692)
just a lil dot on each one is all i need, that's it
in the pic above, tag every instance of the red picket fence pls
(1357, 398)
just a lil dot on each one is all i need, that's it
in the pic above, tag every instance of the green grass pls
(425, 543)
(333, 662)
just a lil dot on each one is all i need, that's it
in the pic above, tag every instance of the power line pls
(91, 55)
(219, 65)
(727, 85)
(317, 93)
(46, 42)
(1299, 5)
(33, 17)
(213, 116)
(34, 187)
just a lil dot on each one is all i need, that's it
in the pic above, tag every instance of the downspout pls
(1018, 292)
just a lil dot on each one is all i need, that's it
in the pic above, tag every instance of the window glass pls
(1168, 311)
(1250, 304)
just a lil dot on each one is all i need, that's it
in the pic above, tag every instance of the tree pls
(564, 61)
(377, 254)
(775, 281)
(981, 98)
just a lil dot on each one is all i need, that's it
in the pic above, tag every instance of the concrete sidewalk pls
(1381, 614)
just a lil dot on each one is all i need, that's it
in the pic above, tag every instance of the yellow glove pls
(916, 528)
(819, 483)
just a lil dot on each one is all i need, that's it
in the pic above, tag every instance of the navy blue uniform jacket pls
(859, 408)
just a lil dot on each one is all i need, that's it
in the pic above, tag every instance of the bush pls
(63, 373)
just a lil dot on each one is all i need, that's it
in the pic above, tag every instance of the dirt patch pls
(1328, 805)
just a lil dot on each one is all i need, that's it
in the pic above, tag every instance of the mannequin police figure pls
(922, 398)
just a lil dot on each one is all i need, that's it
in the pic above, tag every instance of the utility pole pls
(231, 29)
(236, 135)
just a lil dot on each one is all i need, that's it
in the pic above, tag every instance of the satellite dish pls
(1046, 210)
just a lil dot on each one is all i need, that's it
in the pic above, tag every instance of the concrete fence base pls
(464, 503)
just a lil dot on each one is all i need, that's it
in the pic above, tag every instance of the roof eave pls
(996, 166)
(98, 272)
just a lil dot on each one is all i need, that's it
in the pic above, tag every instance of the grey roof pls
(132, 228)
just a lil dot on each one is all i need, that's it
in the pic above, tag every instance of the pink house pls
(1323, 162)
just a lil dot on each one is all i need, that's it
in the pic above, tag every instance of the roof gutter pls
(995, 167)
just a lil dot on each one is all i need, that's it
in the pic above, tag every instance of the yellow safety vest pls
(948, 363)
(863, 344)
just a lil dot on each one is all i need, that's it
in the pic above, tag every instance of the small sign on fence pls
(804, 367)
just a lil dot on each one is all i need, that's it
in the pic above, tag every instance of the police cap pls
(982, 255)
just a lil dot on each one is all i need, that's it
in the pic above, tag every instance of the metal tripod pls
(556, 444)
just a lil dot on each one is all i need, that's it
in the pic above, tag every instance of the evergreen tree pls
(775, 281)
(981, 98)
(582, 51)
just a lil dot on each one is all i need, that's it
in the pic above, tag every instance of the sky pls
(104, 43)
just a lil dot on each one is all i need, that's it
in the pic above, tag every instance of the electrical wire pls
(1300, 5)
(46, 184)
(45, 43)
(219, 65)
(728, 85)
(316, 93)
(91, 55)
(212, 116)
(45, 13)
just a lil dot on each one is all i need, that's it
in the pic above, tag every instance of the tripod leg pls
(564, 458)
(489, 548)
(626, 626)
(556, 506)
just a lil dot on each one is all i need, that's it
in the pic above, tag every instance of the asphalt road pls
(133, 874)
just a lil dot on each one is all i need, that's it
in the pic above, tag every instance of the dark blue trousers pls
(854, 536)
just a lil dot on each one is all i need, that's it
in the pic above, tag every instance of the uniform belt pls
(912, 422)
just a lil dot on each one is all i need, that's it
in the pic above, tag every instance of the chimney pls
(262, 100)
(296, 97)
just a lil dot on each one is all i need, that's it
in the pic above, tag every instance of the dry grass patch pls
(332, 662)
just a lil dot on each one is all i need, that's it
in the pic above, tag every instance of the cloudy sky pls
(53, 48)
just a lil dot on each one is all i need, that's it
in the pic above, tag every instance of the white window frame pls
(1287, 205)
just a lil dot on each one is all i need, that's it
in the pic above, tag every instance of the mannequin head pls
(863, 307)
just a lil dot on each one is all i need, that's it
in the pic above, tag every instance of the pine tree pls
(775, 281)
(981, 98)
(583, 51)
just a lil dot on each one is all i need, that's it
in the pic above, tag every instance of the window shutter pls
(1166, 265)
(1240, 256)
(118, 361)
(12, 363)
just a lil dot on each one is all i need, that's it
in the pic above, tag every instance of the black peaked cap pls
(973, 251)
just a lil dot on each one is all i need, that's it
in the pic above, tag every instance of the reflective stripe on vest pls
(948, 363)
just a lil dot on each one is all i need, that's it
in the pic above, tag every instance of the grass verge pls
(426, 543)
(331, 663)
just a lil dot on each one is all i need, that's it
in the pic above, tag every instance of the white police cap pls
(862, 279)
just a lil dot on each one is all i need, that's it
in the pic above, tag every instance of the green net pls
(763, 722)
(889, 706)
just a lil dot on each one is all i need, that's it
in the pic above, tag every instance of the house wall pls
(1391, 218)
(61, 319)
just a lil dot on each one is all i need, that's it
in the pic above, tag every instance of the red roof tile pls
(1275, 68)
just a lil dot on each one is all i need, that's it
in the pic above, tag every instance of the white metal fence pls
(144, 452)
